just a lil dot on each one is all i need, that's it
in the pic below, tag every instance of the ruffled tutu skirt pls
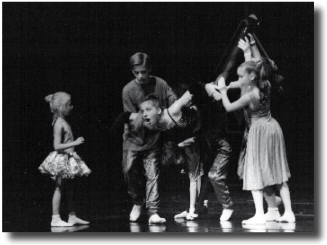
(64, 165)
(263, 160)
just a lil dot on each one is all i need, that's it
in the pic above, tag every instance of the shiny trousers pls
(140, 166)
(216, 176)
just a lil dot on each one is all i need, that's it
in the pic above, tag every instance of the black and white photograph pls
(166, 117)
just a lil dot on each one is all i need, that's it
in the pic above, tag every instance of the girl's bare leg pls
(193, 196)
(73, 219)
(195, 187)
(286, 197)
(273, 213)
(56, 200)
(259, 217)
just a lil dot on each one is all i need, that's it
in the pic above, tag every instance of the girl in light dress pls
(263, 162)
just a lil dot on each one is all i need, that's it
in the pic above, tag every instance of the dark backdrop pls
(84, 49)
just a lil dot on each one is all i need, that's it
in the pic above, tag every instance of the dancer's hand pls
(80, 140)
(217, 96)
(222, 86)
(221, 83)
(210, 88)
(187, 99)
(244, 45)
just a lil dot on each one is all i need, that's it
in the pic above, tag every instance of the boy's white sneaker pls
(77, 221)
(156, 219)
(59, 222)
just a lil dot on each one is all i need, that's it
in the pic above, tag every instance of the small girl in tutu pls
(63, 163)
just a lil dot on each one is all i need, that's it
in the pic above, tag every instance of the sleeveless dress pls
(263, 160)
(185, 128)
(63, 164)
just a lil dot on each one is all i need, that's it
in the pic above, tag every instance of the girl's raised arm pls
(183, 101)
(256, 56)
(245, 46)
(222, 84)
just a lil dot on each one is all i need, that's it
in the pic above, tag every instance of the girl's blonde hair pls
(58, 102)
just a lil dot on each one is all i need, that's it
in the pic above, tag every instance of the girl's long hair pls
(273, 75)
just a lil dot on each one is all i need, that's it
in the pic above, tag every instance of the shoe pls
(287, 218)
(156, 219)
(60, 223)
(192, 216)
(135, 213)
(181, 215)
(255, 220)
(226, 214)
(77, 221)
(272, 214)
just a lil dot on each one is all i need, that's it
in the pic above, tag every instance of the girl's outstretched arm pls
(238, 104)
(57, 134)
(212, 92)
(183, 101)
(233, 85)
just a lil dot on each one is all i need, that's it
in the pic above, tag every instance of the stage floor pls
(113, 216)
